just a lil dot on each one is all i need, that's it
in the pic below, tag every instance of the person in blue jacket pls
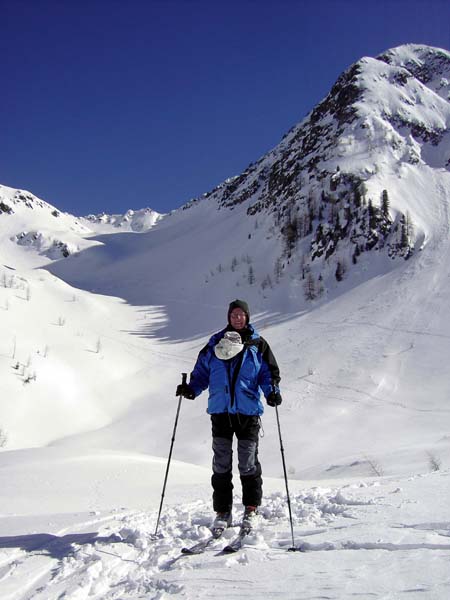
(236, 365)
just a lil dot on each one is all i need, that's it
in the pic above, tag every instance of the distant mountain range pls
(341, 183)
(133, 220)
(37, 225)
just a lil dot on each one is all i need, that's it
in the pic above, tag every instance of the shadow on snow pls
(55, 546)
(142, 282)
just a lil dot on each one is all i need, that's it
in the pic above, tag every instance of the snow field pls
(375, 538)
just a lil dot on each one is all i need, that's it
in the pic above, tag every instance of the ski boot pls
(221, 522)
(249, 519)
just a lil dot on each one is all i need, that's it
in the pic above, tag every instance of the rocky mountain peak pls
(332, 184)
(430, 66)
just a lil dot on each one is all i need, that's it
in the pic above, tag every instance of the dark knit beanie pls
(239, 304)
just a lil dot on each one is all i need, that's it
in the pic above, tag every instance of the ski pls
(202, 545)
(236, 543)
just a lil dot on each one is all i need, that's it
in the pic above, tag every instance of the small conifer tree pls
(309, 287)
(340, 270)
(385, 204)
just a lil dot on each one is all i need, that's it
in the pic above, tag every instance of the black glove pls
(274, 399)
(184, 389)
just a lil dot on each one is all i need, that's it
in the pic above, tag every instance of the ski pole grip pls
(184, 378)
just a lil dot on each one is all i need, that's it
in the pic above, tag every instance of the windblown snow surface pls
(92, 347)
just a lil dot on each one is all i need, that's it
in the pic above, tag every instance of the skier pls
(236, 364)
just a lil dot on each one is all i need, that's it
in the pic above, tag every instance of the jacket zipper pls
(235, 375)
(228, 387)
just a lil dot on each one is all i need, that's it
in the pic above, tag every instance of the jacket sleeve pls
(269, 375)
(199, 379)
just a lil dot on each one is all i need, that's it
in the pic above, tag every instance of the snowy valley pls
(339, 239)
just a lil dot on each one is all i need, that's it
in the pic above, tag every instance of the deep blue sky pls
(107, 105)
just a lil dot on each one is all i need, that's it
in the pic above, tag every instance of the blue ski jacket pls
(235, 384)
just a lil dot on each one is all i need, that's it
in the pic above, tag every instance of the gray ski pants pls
(246, 429)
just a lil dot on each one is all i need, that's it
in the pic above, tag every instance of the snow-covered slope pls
(339, 240)
(53, 334)
(49, 234)
(32, 224)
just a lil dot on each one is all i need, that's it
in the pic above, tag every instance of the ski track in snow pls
(123, 560)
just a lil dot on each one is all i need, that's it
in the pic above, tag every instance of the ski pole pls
(293, 549)
(183, 379)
